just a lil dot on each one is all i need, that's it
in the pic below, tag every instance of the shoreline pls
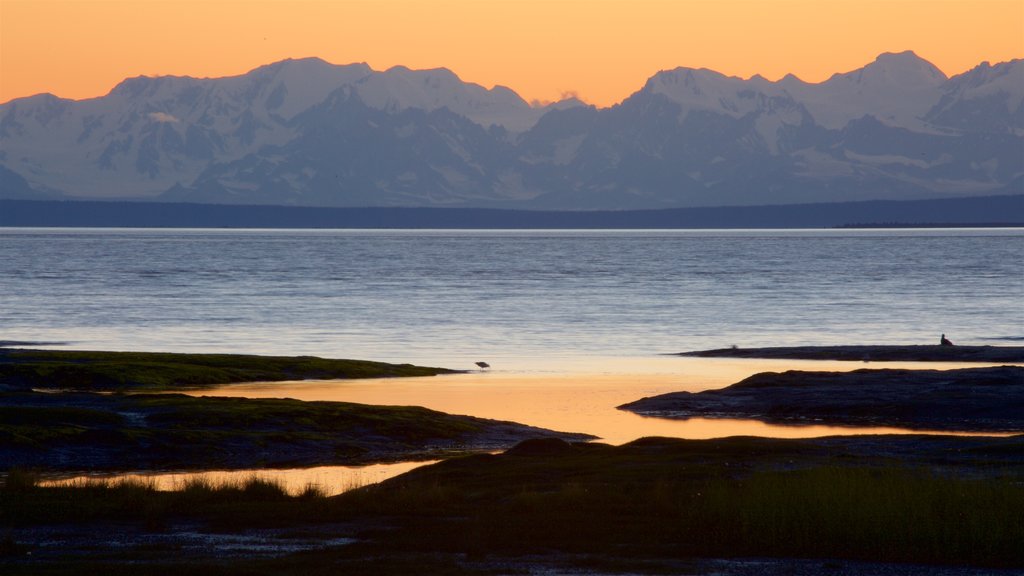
(989, 399)
(655, 505)
(82, 411)
(873, 353)
(547, 502)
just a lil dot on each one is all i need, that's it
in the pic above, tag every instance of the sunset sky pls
(602, 50)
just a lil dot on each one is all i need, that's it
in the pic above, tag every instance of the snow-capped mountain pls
(149, 134)
(400, 88)
(312, 133)
(896, 89)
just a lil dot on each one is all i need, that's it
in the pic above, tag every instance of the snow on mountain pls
(985, 80)
(986, 98)
(309, 132)
(149, 134)
(400, 88)
(290, 87)
(703, 89)
(897, 89)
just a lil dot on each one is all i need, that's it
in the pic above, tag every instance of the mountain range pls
(309, 133)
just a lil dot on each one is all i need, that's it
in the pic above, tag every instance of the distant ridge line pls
(1019, 224)
(949, 212)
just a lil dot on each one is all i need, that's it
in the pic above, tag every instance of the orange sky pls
(601, 49)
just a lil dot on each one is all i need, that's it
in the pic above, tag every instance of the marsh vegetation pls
(652, 503)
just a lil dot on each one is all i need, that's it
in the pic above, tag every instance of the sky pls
(599, 50)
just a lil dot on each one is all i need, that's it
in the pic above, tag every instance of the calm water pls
(522, 300)
(572, 321)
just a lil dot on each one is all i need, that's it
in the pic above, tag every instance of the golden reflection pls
(331, 479)
(584, 401)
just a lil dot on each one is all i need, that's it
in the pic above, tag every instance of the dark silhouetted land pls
(970, 399)
(918, 504)
(873, 353)
(57, 414)
(160, 371)
(959, 212)
(935, 505)
(94, 432)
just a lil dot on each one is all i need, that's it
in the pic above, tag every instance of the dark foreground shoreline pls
(873, 353)
(868, 505)
(911, 505)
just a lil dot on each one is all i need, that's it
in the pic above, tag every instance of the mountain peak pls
(904, 56)
(900, 67)
(310, 63)
(147, 86)
(439, 74)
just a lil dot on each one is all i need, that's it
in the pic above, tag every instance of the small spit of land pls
(969, 399)
(23, 369)
(72, 411)
(874, 353)
(92, 432)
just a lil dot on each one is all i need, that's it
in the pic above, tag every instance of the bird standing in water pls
(483, 364)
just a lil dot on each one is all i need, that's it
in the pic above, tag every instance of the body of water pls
(533, 301)
(573, 323)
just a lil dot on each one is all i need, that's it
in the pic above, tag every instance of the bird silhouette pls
(483, 364)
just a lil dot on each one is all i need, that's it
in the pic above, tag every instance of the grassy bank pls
(92, 432)
(890, 515)
(224, 506)
(158, 371)
(641, 507)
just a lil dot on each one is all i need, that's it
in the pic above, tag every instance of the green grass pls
(125, 371)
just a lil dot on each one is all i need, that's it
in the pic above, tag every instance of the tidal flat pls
(868, 504)
(75, 411)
